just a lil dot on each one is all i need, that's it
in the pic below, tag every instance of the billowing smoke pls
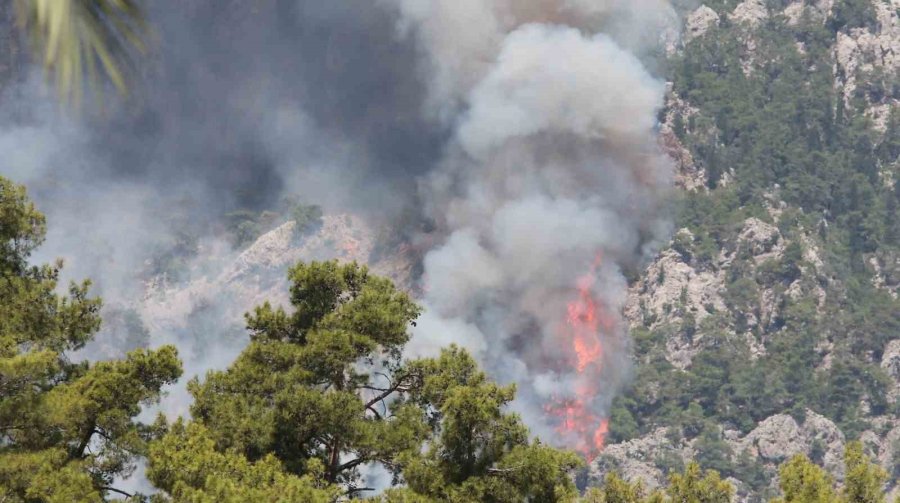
(239, 105)
(520, 131)
(551, 183)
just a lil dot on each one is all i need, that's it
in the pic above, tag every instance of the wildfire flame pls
(585, 322)
(350, 247)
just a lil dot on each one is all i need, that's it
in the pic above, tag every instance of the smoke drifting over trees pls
(521, 131)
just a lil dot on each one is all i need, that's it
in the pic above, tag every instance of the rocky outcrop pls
(204, 316)
(889, 449)
(258, 273)
(750, 13)
(762, 240)
(867, 50)
(686, 291)
(688, 176)
(819, 10)
(780, 437)
(675, 289)
(672, 282)
(890, 362)
(699, 22)
(773, 441)
(885, 269)
(641, 459)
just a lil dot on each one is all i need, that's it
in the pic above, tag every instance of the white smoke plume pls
(522, 129)
(552, 182)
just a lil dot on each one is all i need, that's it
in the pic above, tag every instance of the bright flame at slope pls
(585, 321)
(582, 318)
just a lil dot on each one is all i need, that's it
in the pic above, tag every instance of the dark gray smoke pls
(521, 131)
(241, 96)
(238, 105)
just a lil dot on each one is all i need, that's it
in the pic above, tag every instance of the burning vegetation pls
(582, 333)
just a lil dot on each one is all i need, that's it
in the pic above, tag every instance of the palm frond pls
(75, 39)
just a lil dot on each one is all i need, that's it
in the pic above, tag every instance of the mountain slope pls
(770, 325)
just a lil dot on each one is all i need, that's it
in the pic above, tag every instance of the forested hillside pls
(318, 395)
(764, 336)
(770, 324)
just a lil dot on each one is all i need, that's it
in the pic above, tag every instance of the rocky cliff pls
(738, 286)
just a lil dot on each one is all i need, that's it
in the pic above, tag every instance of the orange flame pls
(582, 318)
(585, 321)
(350, 247)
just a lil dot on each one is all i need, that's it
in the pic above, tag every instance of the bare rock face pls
(749, 15)
(273, 249)
(763, 240)
(199, 313)
(688, 176)
(780, 437)
(819, 9)
(670, 290)
(812, 254)
(819, 428)
(681, 284)
(257, 274)
(670, 281)
(638, 459)
(863, 50)
(890, 449)
(749, 12)
(886, 272)
(673, 289)
(775, 439)
(699, 22)
(890, 361)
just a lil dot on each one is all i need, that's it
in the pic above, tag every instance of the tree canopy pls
(324, 392)
(67, 429)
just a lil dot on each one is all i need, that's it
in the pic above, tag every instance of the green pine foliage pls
(67, 429)
(323, 391)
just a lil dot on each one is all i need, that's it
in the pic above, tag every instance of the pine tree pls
(323, 391)
(67, 429)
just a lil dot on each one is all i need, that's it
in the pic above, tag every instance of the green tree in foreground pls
(324, 391)
(692, 486)
(865, 479)
(67, 428)
(800, 481)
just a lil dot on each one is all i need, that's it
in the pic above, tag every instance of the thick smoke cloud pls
(238, 105)
(522, 131)
(551, 182)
